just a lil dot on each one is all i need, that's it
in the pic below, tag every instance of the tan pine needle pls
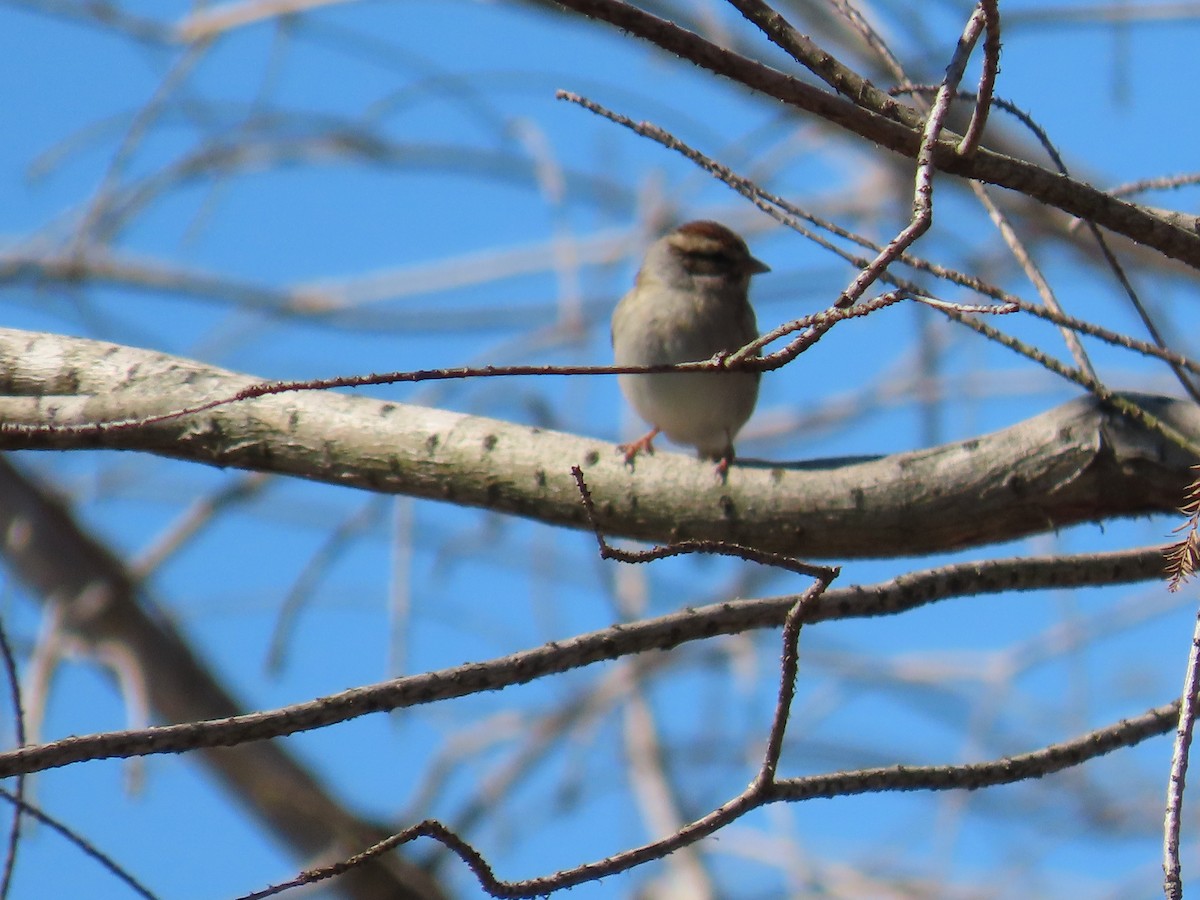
(1183, 558)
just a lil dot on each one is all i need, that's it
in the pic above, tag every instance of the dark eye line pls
(712, 254)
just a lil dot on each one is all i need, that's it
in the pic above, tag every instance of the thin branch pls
(657, 798)
(989, 11)
(877, 267)
(180, 71)
(684, 836)
(216, 19)
(333, 545)
(871, 36)
(194, 519)
(1101, 241)
(794, 621)
(94, 603)
(789, 666)
(782, 210)
(1135, 412)
(825, 574)
(922, 215)
(661, 633)
(82, 843)
(1009, 770)
(1188, 704)
(899, 130)
(817, 60)
(787, 213)
(1160, 183)
(14, 688)
(1034, 273)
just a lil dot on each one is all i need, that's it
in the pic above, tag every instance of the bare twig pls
(683, 836)
(871, 35)
(989, 11)
(898, 127)
(82, 843)
(783, 211)
(217, 19)
(1102, 243)
(1162, 183)
(679, 548)
(333, 545)
(1008, 770)
(661, 633)
(1188, 704)
(1100, 391)
(14, 688)
(819, 61)
(1034, 273)
(922, 215)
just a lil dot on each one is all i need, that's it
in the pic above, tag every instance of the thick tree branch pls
(896, 126)
(1076, 463)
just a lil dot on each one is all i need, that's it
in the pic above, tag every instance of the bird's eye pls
(712, 257)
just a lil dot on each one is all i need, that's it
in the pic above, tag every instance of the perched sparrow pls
(689, 303)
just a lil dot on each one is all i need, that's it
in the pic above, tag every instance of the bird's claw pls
(644, 444)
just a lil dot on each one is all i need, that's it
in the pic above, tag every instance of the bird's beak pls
(756, 266)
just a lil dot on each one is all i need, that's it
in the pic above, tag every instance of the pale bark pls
(1076, 463)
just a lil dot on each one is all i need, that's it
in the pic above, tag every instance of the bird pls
(689, 302)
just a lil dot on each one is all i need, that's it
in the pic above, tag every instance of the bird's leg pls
(644, 444)
(724, 463)
(724, 459)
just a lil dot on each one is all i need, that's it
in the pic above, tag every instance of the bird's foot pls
(644, 444)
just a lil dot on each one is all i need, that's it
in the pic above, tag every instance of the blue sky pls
(465, 94)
